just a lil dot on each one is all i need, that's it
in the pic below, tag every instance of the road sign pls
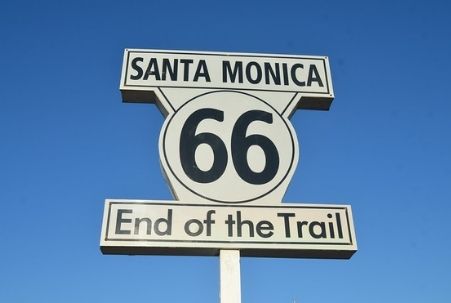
(168, 227)
(147, 72)
(223, 140)
(228, 151)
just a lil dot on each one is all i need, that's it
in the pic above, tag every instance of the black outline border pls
(124, 84)
(105, 237)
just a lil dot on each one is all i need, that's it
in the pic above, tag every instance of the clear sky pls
(67, 142)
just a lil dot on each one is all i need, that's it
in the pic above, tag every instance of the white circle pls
(229, 187)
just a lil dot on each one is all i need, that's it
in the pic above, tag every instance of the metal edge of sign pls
(260, 253)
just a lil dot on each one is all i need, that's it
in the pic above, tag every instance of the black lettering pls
(202, 71)
(286, 219)
(152, 69)
(167, 222)
(168, 70)
(265, 229)
(339, 229)
(313, 76)
(300, 224)
(285, 74)
(240, 223)
(120, 220)
(258, 71)
(137, 68)
(312, 230)
(148, 224)
(230, 222)
(208, 222)
(186, 63)
(331, 227)
(275, 75)
(188, 230)
(293, 74)
(237, 71)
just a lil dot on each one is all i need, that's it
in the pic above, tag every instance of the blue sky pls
(68, 142)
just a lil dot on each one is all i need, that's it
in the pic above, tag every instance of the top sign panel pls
(145, 71)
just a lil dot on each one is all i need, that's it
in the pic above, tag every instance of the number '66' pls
(240, 144)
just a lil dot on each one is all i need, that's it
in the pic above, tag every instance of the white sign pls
(228, 151)
(165, 227)
(146, 71)
(228, 146)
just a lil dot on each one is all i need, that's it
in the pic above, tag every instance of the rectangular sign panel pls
(144, 71)
(175, 228)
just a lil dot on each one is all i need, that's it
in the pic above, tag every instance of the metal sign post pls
(228, 151)
(230, 278)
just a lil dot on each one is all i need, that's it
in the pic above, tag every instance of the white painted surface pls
(229, 186)
(230, 277)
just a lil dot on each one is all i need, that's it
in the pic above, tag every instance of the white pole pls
(230, 280)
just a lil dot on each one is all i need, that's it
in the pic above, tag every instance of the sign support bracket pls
(230, 278)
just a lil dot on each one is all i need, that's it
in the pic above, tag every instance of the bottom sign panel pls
(175, 228)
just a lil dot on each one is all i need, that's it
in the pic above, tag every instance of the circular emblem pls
(228, 146)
